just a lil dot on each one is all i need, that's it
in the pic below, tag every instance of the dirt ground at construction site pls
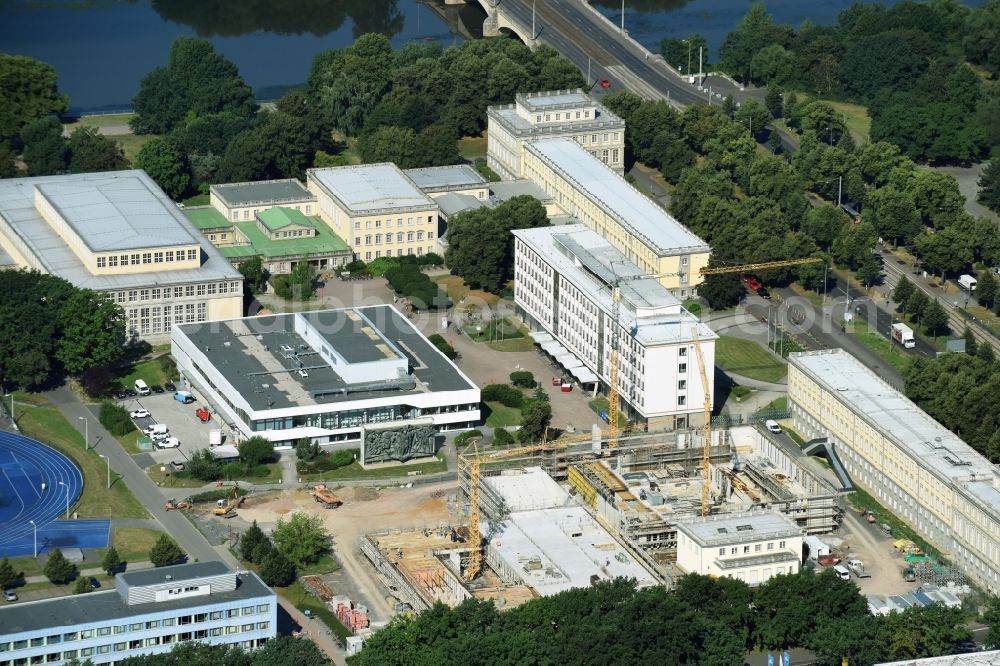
(868, 544)
(364, 510)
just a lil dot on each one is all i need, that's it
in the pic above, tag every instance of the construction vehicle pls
(226, 508)
(174, 504)
(322, 494)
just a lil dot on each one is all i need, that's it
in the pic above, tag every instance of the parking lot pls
(179, 418)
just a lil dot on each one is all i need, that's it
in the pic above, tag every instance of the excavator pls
(226, 508)
(322, 494)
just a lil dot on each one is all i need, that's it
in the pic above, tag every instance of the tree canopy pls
(29, 91)
(480, 245)
(703, 621)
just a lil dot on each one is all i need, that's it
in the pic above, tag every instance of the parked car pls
(176, 466)
(773, 426)
(9, 595)
(170, 387)
(184, 396)
(156, 388)
(121, 395)
(94, 583)
(138, 413)
(763, 292)
(168, 443)
(130, 393)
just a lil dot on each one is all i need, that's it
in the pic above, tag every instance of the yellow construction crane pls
(706, 432)
(474, 462)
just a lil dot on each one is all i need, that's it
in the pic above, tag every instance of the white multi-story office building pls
(147, 612)
(751, 547)
(324, 375)
(118, 233)
(377, 209)
(605, 202)
(910, 463)
(564, 114)
(563, 280)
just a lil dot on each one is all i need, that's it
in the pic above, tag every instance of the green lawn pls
(779, 403)
(326, 563)
(880, 344)
(133, 544)
(99, 121)
(502, 416)
(45, 423)
(182, 480)
(197, 200)
(132, 143)
(150, 371)
(472, 147)
(748, 359)
(355, 471)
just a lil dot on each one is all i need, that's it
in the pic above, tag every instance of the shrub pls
(276, 569)
(7, 574)
(430, 259)
(407, 280)
(502, 437)
(82, 586)
(203, 466)
(379, 266)
(231, 470)
(112, 561)
(165, 552)
(523, 379)
(443, 346)
(306, 449)
(302, 537)
(504, 394)
(344, 457)
(249, 540)
(463, 439)
(255, 451)
(58, 569)
(115, 418)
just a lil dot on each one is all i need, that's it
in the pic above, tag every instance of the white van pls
(842, 572)
(773, 426)
(157, 429)
(168, 443)
(141, 388)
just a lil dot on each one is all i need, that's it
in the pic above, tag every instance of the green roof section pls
(206, 217)
(324, 242)
(264, 192)
(279, 217)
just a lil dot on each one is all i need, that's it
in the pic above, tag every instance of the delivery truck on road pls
(903, 334)
(967, 282)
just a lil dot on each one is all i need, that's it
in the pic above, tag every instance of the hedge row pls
(504, 394)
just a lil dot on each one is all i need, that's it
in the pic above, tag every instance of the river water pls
(102, 48)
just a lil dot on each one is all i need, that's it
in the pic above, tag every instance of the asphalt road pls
(126, 470)
(580, 34)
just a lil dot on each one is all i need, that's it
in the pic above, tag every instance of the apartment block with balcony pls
(910, 463)
(563, 114)
(147, 612)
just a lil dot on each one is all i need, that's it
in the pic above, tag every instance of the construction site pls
(569, 513)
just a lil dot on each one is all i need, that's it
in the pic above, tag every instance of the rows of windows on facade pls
(138, 259)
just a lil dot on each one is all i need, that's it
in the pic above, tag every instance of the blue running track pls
(25, 465)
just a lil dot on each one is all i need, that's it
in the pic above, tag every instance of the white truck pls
(903, 334)
(967, 282)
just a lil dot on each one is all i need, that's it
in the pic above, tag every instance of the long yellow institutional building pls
(118, 233)
(912, 464)
(603, 201)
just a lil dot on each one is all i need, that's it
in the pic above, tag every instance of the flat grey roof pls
(443, 178)
(540, 101)
(40, 240)
(271, 192)
(247, 352)
(927, 442)
(368, 188)
(991, 658)
(117, 210)
(64, 613)
(561, 247)
(517, 125)
(508, 189)
(614, 195)
(176, 572)
(453, 202)
(738, 528)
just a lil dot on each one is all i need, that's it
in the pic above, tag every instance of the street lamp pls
(623, 17)
(109, 468)
(86, 432)
(67, 498)
(35, 527)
